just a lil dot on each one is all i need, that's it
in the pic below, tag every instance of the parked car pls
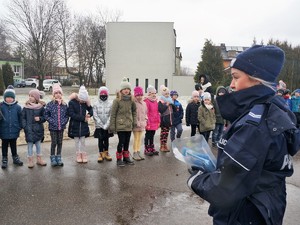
(32, 82)
(19, 83)
(48, 84)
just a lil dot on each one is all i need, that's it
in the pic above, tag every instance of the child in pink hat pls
(141, 117)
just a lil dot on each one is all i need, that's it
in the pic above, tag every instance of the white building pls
(145, 53)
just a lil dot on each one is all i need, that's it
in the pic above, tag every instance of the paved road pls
(152, 191)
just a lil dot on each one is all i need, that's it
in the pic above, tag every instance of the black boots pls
(17, 161)
(4, 162)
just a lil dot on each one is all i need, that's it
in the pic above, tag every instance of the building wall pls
(144, 52)
(17, 67)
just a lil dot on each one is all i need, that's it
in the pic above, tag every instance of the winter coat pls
(178, 113)
(254, 158)
(141, 116)
(191, 113)
(295, 102)
(56, 115)
(11, 122)
(166, 113)
(101, 113)
(78, 127)
(206, 86)
(123, 114)
(206, 118)
(153, 116)
(219, 118)
(34, 130)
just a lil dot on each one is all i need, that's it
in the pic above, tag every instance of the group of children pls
(128, 113)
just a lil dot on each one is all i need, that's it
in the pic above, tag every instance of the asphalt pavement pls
(152, 191)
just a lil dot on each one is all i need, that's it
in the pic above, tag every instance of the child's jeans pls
(179, 129)
(80, 143)
(30, 148)
(216, 135)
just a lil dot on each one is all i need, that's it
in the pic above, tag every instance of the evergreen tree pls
(211, 65)
(2, 87)
(8, 74)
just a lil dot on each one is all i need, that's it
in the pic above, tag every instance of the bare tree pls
(32, 23)
(4, 46)
(84, 43)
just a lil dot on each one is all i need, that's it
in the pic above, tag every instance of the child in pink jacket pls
(153, 121)
(141, 121)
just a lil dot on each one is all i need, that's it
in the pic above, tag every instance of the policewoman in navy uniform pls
(254, 154)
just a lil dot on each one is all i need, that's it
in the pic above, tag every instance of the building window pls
(146, 84)
(156, 84)
(166, 82)
(137, 82)
(17, 70)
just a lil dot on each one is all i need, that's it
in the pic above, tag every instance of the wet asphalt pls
(152, 191)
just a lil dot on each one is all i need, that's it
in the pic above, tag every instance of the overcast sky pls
(233, 22)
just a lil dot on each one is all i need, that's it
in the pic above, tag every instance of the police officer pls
(254, 154)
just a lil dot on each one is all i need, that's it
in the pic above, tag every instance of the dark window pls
(166, 82)
(146, 84)
(137, 82)
(156, 84)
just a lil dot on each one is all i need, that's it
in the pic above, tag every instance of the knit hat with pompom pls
(125, 84)
(164, 90)
(83, 94)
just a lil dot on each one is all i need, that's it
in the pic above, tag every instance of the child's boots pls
(78, 157)
(17, 161)
(126, 158)
(84, 157)
(119, 156)
(30, 162)
(4, 162)
(136, 156)
(100, 157)
(152, 149)
(53, 160)
(147, 151)
(59, 161)
(40, 161)
(106, 156)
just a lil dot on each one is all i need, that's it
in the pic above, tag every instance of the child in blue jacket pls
(10, 126)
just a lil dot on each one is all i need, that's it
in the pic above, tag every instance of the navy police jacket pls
(254, 158)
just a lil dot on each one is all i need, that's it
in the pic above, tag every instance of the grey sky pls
(233, 22)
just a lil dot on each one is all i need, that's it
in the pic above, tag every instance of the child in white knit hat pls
(32, 123)
(153, 121)
(206, 116)
(80, 111)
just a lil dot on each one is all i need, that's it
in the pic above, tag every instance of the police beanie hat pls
(125, 84)
(264, 62)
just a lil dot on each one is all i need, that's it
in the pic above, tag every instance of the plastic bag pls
(195, 152)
